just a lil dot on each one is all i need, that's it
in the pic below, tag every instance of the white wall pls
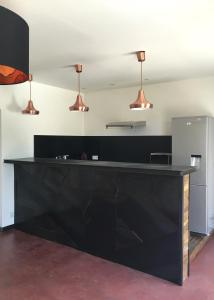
(178, 98)
(17, 130)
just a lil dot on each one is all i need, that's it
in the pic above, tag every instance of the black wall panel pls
(109, 148)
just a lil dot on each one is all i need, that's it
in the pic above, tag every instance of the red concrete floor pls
(35, 269)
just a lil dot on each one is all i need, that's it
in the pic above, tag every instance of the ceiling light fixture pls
(30, 109)
(141, 103)
(79, 104)
(14, 49)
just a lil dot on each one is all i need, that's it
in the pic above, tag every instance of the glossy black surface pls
(131, 218)
(119, 166)
(108, 148)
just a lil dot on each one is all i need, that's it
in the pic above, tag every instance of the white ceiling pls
(177, 36)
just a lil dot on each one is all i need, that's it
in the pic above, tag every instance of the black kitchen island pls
(132, 214)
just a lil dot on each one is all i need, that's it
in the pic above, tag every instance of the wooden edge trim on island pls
(185, 235)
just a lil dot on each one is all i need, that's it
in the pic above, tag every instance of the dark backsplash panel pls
(109, 148)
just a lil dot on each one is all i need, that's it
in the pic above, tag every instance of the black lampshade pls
(14, 48)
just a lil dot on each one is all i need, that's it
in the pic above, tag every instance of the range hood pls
(127, 124)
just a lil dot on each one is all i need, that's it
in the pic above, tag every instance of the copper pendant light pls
(79, 105)
(14, 50)
(141, 103)
(30, 109)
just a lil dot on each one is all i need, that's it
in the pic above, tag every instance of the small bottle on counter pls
(83, 156)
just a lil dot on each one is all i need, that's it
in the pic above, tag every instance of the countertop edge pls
(118, 166)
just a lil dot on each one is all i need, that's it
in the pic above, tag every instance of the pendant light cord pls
(141, 77)
(79, 83)
(30, 89)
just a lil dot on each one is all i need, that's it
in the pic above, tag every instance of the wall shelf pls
(127, 124)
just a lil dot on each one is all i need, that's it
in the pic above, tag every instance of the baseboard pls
(6, 228)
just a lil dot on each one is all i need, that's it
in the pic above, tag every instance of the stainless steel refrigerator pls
(193, 144)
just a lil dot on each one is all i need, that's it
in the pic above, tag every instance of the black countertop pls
(134, 167)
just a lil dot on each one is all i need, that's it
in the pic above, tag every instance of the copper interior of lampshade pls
(141, 102)
(79, 105)
(10, 75)
(30, 109)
